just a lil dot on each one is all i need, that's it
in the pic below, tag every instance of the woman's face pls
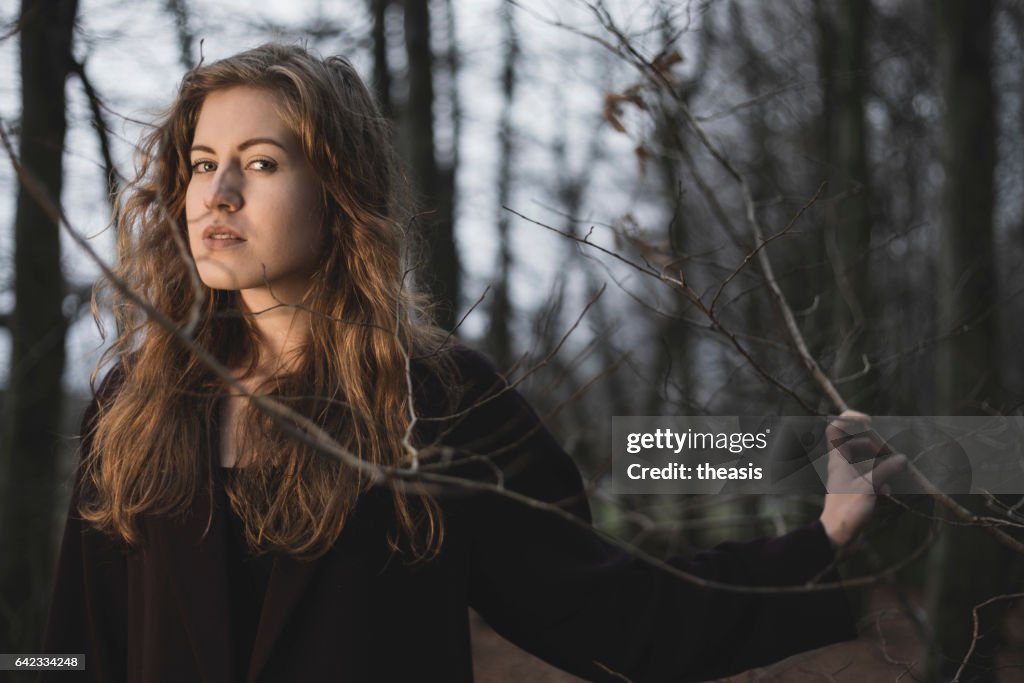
(252, 204)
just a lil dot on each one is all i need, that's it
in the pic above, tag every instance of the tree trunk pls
(967, 566)
(381, 68)
(843, 31)
(178, 9)
(439, 268)
(38, 326)
(499, 334)
(967, 283)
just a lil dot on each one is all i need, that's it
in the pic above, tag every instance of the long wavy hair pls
(151, 439)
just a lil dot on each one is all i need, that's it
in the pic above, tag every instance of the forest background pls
(636, 208)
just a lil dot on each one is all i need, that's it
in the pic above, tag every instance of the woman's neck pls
(282, 331)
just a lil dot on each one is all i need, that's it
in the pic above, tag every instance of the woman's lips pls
(218, 237)
(214, 244)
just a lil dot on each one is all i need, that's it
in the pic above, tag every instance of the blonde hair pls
(149, 438)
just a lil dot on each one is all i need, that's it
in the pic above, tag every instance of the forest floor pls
(890, 648)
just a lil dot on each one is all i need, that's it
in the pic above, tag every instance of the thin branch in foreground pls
(977, 625)
(762, 245)
(680, 283)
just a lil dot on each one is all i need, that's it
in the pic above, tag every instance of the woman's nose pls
(224, 193)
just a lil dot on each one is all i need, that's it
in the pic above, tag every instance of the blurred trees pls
(34, 398)
(410, 98)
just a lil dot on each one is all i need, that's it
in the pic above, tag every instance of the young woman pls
(211, 539)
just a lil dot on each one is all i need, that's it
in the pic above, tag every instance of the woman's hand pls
(857, 464)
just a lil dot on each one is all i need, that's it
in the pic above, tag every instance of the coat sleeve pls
(561, 591)
(89, 603)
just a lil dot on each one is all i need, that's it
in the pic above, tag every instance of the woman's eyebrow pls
(243, 146)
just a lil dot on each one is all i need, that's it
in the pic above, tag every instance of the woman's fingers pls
(860, 460)
(888, 467)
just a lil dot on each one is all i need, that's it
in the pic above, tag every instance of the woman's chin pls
(219, 278)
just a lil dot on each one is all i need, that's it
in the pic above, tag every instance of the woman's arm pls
(561, 591)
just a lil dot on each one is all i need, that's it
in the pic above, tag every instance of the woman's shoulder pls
(496, 434)
(452, 378)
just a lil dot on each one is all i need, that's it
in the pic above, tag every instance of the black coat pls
(359, 613)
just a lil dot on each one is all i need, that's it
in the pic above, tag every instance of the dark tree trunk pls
(967, 566)
(34, 394)
(381, 68)
(500, 333)
(843, 36)
(967, 369)
(178, 10)
(439, 268)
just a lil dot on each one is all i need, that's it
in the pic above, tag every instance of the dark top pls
(359, 613)
(248, 576)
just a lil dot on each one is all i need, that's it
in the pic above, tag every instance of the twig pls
(763, 244)
(102, 132)
(680, 283)
(977, 624)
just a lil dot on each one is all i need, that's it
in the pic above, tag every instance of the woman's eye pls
(262, 165)
(204, 167)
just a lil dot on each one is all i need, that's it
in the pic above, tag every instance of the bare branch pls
(977, 624)
(762, 245)
(680, 283)
(96, 106)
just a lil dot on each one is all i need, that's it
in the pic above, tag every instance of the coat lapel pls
(288, 579)
(197, 566)
(197, 570)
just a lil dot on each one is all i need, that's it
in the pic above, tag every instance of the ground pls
(890, 649)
